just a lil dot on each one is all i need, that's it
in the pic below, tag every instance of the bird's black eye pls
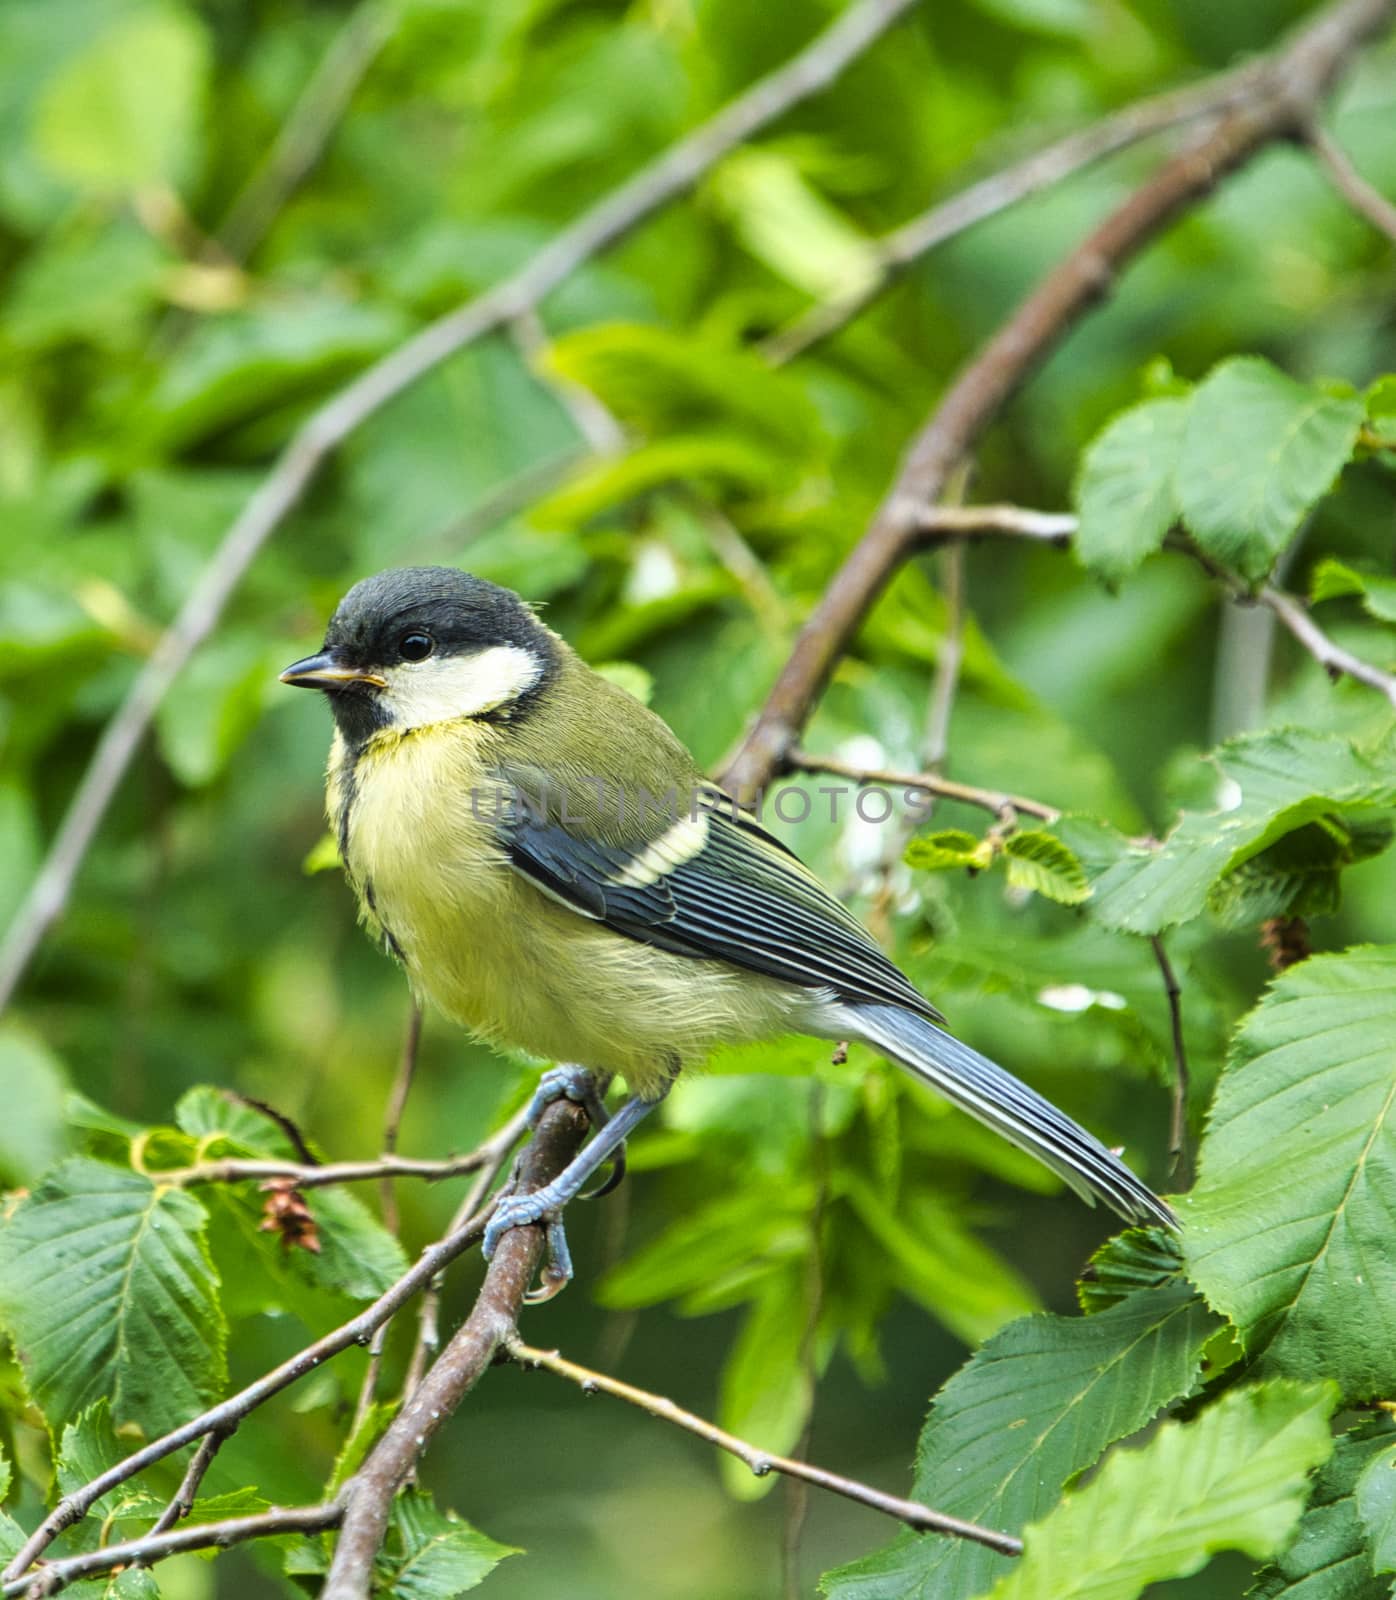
(416, 646)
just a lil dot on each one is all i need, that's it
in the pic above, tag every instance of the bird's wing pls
(716, 886)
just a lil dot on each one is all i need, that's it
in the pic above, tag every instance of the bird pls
(552, 869)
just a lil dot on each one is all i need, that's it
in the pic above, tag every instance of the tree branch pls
(153, 1547)
(922, 1519)
(670, 174)
(900, 249)
(369, 1494)
(307, 130)
(1279, 103)
(998, 801)
(1363, 197)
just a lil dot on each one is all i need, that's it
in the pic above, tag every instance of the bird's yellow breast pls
(415, 816)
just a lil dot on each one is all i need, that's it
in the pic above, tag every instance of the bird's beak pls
(327, 671)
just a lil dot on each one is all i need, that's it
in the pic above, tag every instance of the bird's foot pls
(568, 1083)
(523, 1210)
(545, 1205)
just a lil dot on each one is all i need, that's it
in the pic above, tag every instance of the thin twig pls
(945, 220)
(428, 1337)
(152, 1547)
(183, 1501)
(1334, 660)
(1281, 103)
(1178, 1123)
(922, 1519)
(999, 801)
(320, 1176)
(1366, 200)
(369, 1494)
(670, 174)
(979, 522)
(387, 1191)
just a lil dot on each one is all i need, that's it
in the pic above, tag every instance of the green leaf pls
(431, 1556)
(12, 1536)
(126, 111)
(724, 462)
(1235, 1479)
(1259, 451)
(1376, 1502)
(1328, 1557)
(129, 1309)
(1124, 493)
(358, 1256)
(1332, 578)
(1380, 400)
(1065, 18)
(767, 1388)
(940, 1263)
(1276, 783)
(791, 228)
(1038, 861)
(949, 848)
(88, 1447)
(32, 1132)
(667, 384)
(213, 705)
(1288, 1229)
(1138, 1258)
(1030, 1410)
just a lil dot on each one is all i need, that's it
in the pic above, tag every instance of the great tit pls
(553, 871)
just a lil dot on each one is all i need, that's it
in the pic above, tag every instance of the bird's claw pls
(524, 1210)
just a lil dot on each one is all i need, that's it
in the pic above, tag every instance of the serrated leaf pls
(1036, 860)
(1259, 451)
(948, 848)
(358, 1256)
(129, 1307)
(1278, 782)
(1030, 1410)
(87, 1448)
(1124, 492)
(1138, 1258)
(1328, 1558)
(1288, 1230)
(1376, 1503)
(1234, 1479)
(217, 1118)
(431, 1556)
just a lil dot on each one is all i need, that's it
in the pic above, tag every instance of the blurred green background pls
(167, 316)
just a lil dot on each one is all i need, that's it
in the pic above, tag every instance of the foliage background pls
(145, 384)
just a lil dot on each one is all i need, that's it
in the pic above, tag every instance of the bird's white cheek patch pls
(440, 689)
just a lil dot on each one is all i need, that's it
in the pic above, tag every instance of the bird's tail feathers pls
(996, 1098)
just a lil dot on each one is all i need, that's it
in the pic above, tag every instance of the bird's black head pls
(418, 645)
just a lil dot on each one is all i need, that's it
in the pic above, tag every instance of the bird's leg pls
(545, 1204)
(579, 1085)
